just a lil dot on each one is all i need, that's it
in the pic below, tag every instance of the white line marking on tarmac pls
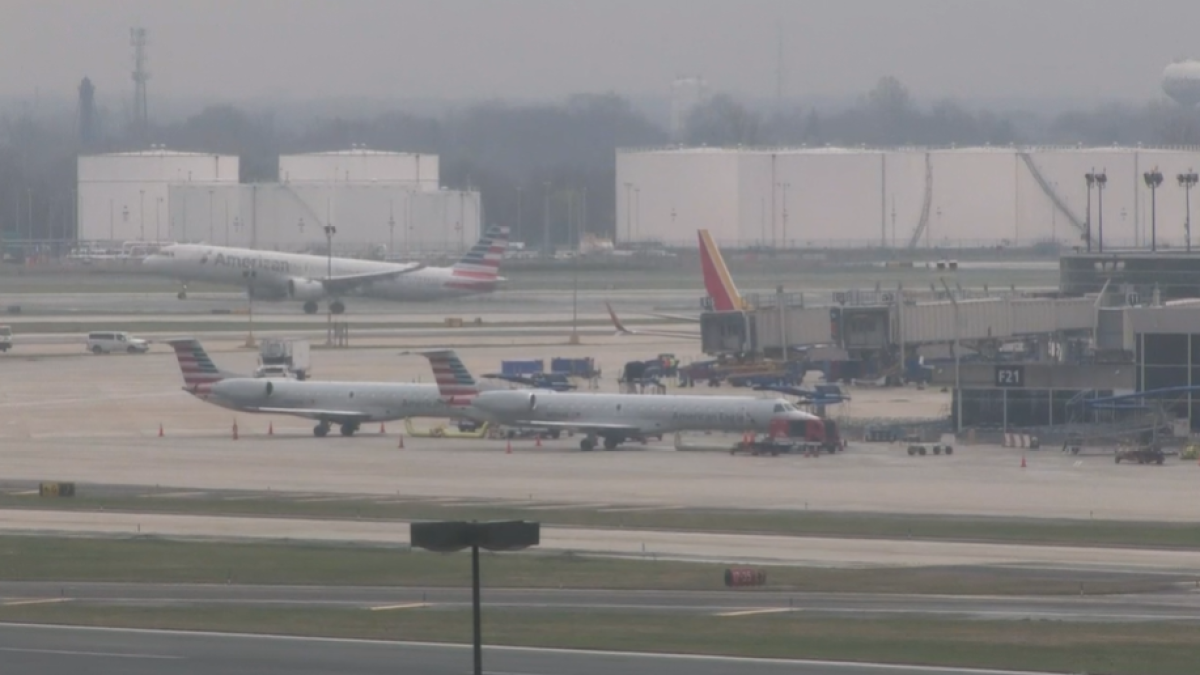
(109, 655)
(751, 612)
(832, 665)
(407, 605)
(36, 601)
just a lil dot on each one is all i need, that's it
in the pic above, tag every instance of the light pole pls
(226, 222)
(958, 393)
(1187, 181)
(1100, 180)
(518, 228)
(637, 209)
(546, 221)
(210, 216)
(783, 232)
(142, 215)
(629, 212)
(1090, 178)
(157, 227)
(1153, 179)
(391, 228)
(330, 230)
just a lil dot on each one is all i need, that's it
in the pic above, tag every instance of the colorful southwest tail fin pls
(453, 379)
(717, 281)
(479, 269)
(199, 371)
(621, 329)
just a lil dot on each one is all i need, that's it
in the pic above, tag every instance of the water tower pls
(1181, 81)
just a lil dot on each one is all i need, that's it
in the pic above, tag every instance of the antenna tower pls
(141, 117)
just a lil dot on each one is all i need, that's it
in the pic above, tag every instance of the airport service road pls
(61, 650)
(546, 303)
(1183, 606)
(646, 544)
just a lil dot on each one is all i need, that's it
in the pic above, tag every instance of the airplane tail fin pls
(453, 379)
(717, 280)
(621, 329)
(199, 371)
(479, 269)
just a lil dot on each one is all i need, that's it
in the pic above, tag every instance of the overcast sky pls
(518, 49)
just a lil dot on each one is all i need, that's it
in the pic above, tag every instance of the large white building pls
(376, 200)
(292, 216)
(125, 196)
(799, 197)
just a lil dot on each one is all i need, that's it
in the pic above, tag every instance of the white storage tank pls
(359, 165)
(125, 196)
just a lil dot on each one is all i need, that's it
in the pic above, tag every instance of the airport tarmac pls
(633, 543)
(1181, 606)
(65, 650)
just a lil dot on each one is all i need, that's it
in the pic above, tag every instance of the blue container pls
(522, 367)
(580, 367)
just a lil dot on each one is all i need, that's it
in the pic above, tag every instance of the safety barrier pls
(56, 490)
(1021, 441)
(745, 576)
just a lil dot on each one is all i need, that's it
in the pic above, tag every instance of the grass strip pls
(1059, 532)
(154, 560)
(1116, 649)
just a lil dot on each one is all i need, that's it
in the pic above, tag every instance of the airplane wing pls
(316, 414)
(622, 330)
(349, 282)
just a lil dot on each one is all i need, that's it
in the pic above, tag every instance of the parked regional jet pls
(348, 404)
(718, 282)
(615, 418)
(270, 275)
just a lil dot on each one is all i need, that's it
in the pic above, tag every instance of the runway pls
(1181, 606)
(635, 543)
(52, 650)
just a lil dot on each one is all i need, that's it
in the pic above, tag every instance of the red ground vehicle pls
(795, 436)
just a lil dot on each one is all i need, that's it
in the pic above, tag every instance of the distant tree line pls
(539, 159)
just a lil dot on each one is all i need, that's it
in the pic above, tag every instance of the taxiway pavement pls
(61, 650)
(1176, 606)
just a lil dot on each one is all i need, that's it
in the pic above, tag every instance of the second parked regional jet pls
(616, 418)
(271, 275)
(348, 404)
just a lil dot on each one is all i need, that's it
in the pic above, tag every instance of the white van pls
(104, 342)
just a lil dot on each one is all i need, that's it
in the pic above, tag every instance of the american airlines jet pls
(270, 275)
(347, 404)
(615, 418)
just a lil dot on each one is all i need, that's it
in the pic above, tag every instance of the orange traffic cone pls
(401, 444)
(270, 428)
(160, 430)
(235, 435)
(538, 443)
(508, 448)
(381, 429)
(1022, 460)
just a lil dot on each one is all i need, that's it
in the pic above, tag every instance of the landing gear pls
(611, 442)
(588, 443)
(349, 428)
(182, 294)
(336, 307)
(310, 307)
(321, 430)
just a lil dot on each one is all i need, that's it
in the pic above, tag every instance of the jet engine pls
(507, 402)
(305, 289)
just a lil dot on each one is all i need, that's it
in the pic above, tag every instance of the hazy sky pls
(470, 49)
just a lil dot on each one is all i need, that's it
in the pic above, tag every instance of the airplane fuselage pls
(647, 414)
(362, 401)
(273, 275)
